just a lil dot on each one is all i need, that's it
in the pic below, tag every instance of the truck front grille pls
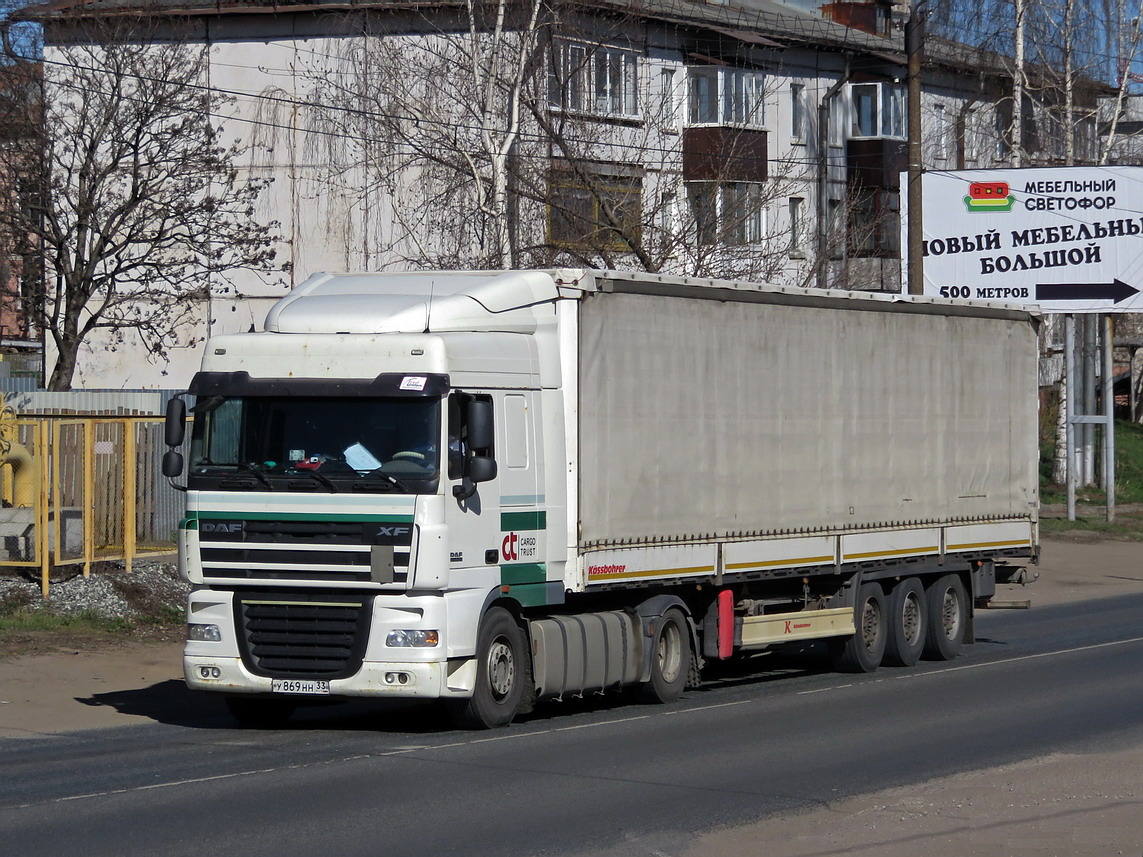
(290, 549)
(303, 635)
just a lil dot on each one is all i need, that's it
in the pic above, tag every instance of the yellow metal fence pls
(76, 491)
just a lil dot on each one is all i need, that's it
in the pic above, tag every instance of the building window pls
(743, 213)
(864, 110)
(892, 111)
(877, 110)
(835, 235)
(836, 122)
(599, 80)
(602, 211)
(668, 114)
(1002, 118)
(666, 217)
(797, 111)
(941, 120)
(726, 96)
(875, 224)
(968, 135)
(797, 237)
(727, 213)
(703, 99)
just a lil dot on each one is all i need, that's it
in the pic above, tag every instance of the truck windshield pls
(316, 444)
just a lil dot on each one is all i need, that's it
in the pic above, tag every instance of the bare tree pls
(428, 113)
(126, 189)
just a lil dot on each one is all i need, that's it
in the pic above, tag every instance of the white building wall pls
(329, 220)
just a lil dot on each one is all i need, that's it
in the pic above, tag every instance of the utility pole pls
(914, 47)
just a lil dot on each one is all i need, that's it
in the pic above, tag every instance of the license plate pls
(289, 685)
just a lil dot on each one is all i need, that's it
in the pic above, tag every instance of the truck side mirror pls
(172, 464)
(482, 468)
(175, 428)
(479, 465)
(480, 426)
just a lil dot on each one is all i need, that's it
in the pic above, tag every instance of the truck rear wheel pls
(670, 658)
(258, 712)
(907, 623)
(948, 606)
(862, 653)
(502, 670)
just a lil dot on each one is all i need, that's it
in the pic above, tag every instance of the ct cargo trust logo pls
(988, 196)
(516, 547)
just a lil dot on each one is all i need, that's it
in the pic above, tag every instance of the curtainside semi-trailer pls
(497, 487)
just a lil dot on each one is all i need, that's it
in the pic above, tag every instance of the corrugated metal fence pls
(77, 490)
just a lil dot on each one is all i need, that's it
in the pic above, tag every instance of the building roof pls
(751, 21)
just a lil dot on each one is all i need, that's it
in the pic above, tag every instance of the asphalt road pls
(579, 777)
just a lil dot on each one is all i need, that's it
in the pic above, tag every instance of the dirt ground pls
(1059, 805)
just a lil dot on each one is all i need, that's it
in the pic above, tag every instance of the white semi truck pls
(497, 487)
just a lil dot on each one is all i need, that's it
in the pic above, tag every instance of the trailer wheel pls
(948, 606)
(907, 623)
(862, 653)
(670, 658)
(258, 712)
(501, 673)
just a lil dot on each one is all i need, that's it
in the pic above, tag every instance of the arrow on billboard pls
(1115, 291)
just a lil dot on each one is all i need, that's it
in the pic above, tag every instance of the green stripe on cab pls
(524, 572)
(523, 520)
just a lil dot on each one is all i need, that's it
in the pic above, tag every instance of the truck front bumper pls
(395, 680)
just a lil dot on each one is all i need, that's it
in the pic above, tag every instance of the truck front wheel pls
(670, 658)
(502, 670)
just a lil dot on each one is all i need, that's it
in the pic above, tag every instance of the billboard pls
(1068, 239)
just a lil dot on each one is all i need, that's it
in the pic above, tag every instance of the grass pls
(1090, 517)
(1129, 527)
(21, 619)
(1128, 471)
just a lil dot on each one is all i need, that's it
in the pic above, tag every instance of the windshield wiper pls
(320, 477)
(391, 479)
(249, 468)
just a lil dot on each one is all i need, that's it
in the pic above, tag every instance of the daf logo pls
(222, 526)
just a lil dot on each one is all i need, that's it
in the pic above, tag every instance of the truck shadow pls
(172, 703)
(169, 702)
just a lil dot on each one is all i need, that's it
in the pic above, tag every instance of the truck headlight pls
(204, 633)
(413, 639)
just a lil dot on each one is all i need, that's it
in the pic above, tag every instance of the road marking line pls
(589, 725)
(707, 707)
(943, 670)
(1092, 647)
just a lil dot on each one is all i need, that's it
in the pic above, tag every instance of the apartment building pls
(751, 138)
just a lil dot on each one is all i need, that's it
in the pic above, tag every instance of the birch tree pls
(429, 114)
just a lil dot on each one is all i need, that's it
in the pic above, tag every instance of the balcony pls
(718, 153)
